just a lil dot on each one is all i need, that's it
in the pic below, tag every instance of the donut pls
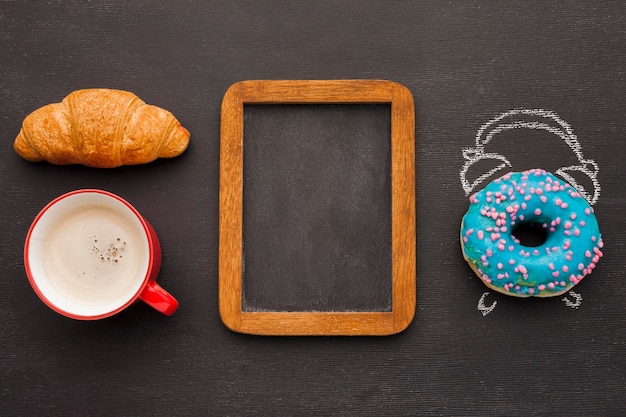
(572, 246)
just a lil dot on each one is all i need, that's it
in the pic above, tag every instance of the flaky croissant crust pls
(102, 128)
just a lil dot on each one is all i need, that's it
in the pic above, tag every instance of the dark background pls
(464, 61)
(317, 208)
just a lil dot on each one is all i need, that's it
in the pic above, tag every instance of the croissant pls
(101, 128)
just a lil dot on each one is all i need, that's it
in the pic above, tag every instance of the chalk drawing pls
(537, 119)
(482, 307)
(577, 300)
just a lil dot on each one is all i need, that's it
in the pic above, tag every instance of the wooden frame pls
(402, 207)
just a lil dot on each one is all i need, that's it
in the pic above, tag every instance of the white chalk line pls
(482, 307)
(563, 130)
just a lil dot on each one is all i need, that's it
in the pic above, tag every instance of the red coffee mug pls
(89, 254)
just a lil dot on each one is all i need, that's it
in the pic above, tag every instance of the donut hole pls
(530, 234)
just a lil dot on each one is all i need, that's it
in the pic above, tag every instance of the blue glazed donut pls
(571, 250)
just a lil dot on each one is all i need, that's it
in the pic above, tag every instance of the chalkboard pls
(317, 208)
(317, 233)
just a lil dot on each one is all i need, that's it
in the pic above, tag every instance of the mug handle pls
(156, 297)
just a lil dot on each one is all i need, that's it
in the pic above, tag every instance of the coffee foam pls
(94, 256)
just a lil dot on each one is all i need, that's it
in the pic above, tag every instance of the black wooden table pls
(466, 63)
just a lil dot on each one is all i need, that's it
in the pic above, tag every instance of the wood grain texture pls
(402, 202)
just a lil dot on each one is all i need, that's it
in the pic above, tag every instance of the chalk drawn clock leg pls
(577, 300)
(482, 307)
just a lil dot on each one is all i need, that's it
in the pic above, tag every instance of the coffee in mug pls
(89, 254)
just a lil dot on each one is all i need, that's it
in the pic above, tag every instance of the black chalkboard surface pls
(472, 67)
(317, 208)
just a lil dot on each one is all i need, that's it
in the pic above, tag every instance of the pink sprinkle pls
(537, 212)
(587, 211)
(511, 261)
(501, 247)
(495, 236)
(581, 267)
(522, 269)
(565, 268)
(558, 201)
(543, 198)
(465, 239)
(541, 287)
(582, 223)
(573, 216)
(564, 205)
(576, 232)
(551, 266)
(555, 274)
(538, 191)
(480, 234)
(469, 232)
(588, 254)
(568, 225)
(500, 266)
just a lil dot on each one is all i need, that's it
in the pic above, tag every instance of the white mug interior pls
(41, 252)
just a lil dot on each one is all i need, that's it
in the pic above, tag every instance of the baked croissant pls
(100, 128)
